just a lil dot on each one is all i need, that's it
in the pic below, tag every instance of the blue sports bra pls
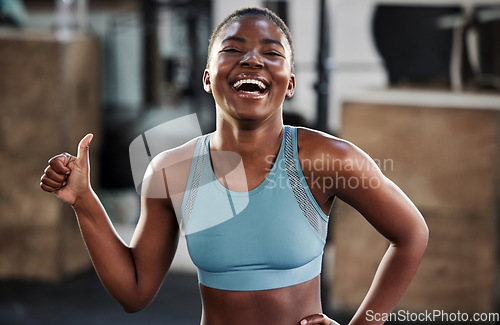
(269, 237)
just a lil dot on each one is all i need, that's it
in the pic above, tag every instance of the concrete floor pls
(83, 301)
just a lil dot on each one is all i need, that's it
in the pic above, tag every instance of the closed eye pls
(273, 54)
(231, 50)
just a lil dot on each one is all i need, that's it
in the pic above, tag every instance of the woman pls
(256, 237)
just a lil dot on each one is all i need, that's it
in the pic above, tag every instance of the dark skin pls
(249, 124)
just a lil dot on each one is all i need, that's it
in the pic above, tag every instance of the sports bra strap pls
(193, 184)
(299, 185)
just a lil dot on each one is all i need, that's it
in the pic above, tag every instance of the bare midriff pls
(282, 306)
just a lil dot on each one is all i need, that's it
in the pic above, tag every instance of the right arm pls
(132, 274)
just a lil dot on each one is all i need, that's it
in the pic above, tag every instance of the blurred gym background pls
(415, 83)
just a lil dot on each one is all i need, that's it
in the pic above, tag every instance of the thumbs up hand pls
(67, 176)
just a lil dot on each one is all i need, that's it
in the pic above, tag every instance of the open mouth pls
(250, 86)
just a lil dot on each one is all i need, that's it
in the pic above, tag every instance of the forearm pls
(393, 276)
(111, 257)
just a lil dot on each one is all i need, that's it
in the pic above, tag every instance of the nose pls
(252, 60)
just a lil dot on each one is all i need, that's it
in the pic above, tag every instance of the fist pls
(67, 176)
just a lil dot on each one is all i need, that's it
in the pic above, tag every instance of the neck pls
(250, 139)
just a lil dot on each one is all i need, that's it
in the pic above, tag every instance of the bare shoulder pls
(314, 144)
(329, 156)
(168, 172)
(176, 155)
(336, 165)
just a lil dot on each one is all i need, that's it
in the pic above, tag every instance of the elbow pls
(134, 306)
(420, 239)
(415, 240)
(424, 235)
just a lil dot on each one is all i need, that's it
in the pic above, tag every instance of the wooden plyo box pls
(447, 160)
(49, 99)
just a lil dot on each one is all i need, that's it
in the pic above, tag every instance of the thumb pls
(83, 149)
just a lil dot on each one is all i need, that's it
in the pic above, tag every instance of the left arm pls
(389, 211)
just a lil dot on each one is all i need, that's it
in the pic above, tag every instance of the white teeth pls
(259, 83)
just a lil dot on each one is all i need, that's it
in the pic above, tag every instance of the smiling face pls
(250, 70)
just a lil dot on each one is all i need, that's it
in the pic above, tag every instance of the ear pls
(206, 82)
(291, 86)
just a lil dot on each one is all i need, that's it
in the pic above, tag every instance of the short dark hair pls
(252, 12)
